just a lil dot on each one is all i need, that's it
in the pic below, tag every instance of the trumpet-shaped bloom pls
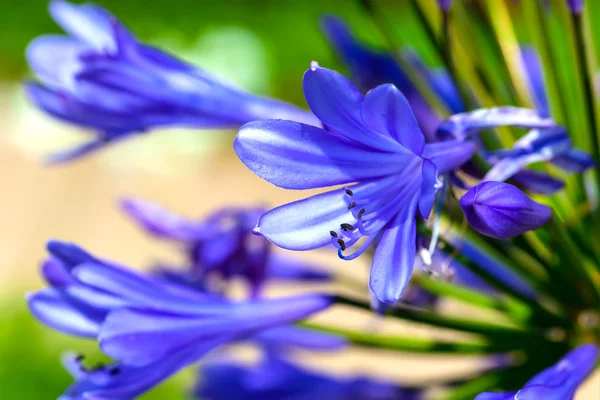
(502, 211)
(101, 77)
(152, 327)
(277, 378)
(221, 244)
(374, 146)
(559, 382)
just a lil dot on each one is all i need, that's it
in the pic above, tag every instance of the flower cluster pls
(396, 169)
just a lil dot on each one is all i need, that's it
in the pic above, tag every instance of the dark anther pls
(114, 371)
(347, 227)
(349, 192)
(361, 212)
(342, 244)
(79, 357)
(333, 233)
(351, 206)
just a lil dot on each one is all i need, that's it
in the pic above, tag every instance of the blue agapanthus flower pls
(277, 378)
(221, 244)
(559, 382)
(153, 327)
(101, 77)
(370, 68)
(373, 140)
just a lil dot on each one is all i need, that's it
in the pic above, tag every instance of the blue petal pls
(385, 110)
(537, 182)
(140, 337)
(496, 396)
(574, 160)
(337, 103)
(464, 124)
(395, 255)
(305, 224)
(53, 309)
(161, 222)
(535, 79)
(89, 23)
(502, 211)
(291, 336)
(448, 155)
(64, 156)
(69, 254)
(55, 59)
(297, 156)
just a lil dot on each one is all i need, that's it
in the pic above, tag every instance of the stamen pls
(79, 357)
(352, 205)
(349, 192)
(347, 227)
(358, 252)
(333, 234)
(114, 371)
(342, 244)
(361, 212)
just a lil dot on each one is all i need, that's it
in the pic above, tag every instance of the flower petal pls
(89, 23)
(395, 255)
(297, 156)
(305, 224)
(535, 79)
(337, 103)
(291, 336)
(53, 309)
(55, 59)
(574, 160)
(537, 182)
(449, 154)
(464, 124)
(161, 222)
(386, 111)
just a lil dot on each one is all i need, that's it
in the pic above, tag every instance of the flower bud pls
(502, 211)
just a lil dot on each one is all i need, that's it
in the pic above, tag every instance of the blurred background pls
(264, 46)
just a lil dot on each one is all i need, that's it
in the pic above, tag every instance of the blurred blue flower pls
(373, 140)
(101, 77)
(221, 244)
(277, 378)
(152, 327)
(559, 382)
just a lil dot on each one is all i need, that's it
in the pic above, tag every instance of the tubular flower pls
(502, 211)
(277, 378)
(127, 311)
(559, 382)
(373, 145)
(102, 78)
(221, 244)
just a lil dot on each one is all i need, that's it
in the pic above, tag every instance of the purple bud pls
(445, 4)
(575, 5)
(502, 211)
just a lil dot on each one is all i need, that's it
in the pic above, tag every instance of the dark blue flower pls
(153, 327)
(502, 211)
(102, 78)
(559, 382)
(372, 142)
(221, 244)
(277, 378)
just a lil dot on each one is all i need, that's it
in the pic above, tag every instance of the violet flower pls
(278, 378)
(559, 382)
(502, 211)
(373, 145)
(101, 77)
(221, 244)
(128, 311)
